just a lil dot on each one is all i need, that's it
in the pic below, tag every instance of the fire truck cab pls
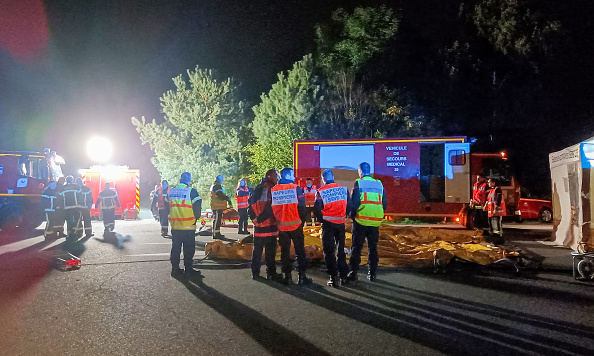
(23, 176)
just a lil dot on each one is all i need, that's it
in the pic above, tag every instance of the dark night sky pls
(71, 69)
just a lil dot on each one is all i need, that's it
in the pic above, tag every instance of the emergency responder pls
(265, 229)
(219, 201)
(161, 204)
(310, 192)
(186, 208)
(496, 210)
(332, 204)
(71, 196)
(108, 199)
(154, 210)
(60, 217)
(288, 206)
(477, 204)
(49, 202)
(86, 203)
(242, 194)
(368, 205)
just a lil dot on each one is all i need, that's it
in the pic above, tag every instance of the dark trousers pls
(164, 220)
(333, 236)
(268, 243)
(243, 220)
(59, 225)
(217, 218)
(188, 240)
(284, 240)
(495, 230)
(86, 220)
(480, 218)
(73, 226)
(360, 232)
(51, 228)
(108, 219)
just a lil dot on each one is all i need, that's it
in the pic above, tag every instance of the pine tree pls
(203, 133)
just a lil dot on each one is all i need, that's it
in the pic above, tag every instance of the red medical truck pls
(125, 182)
(422, 176)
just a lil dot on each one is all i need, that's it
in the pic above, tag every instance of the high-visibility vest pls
(479, 194)
(371, 210)
(181, 216)
(310, 195)
(242, 202)
(216, 203)
(258, 208)
(71, 195)
(107, 198)
(492, 208)
(334, 197)
(284, 206)
(161, 198)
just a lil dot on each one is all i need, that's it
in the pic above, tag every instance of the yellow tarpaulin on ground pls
(398, 246)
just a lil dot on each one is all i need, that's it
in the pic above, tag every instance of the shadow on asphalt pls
(274, 337)
(11, 235)
(436, 325)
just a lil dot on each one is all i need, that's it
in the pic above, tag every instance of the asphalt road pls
(122, 301)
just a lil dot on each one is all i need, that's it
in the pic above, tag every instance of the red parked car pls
(529, 208)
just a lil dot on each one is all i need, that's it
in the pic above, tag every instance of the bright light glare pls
(99, 149)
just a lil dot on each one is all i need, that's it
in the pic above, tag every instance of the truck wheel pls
(545, 215)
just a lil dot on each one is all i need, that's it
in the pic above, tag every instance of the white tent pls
(572, 180)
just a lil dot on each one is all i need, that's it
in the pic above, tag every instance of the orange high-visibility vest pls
(310, 195)
(258, 208)
(242, 202)
(479, 194)
(492, 209)
(284, 206)
(334, 197)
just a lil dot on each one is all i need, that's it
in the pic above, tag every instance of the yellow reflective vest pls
(371, 210)
(182, 216)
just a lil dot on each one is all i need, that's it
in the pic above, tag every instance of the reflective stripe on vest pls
(181, 216)
(242, 202)
(51, 200)
(479, 193)
(71, 198)
(284, 206)
(334, 197)
(491, 207)
(371, 210)
(310, 196)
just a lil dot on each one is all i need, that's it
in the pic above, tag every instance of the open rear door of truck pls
(457, 172)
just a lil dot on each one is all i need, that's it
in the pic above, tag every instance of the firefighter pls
(367, 212)
(60, 217)
(288, 206)
(108, 199)
(496, 210)
(242, 194)
(186, 207)
(479, 197)
(332, 203)
(71, 196)
(49, 202)
(161, 203)
(310, 192)
(154, 209)
(265, 229)
(86, 202)
(219, 201)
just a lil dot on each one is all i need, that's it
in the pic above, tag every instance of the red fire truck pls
(125, 182)
(422, 177)
(23, 175)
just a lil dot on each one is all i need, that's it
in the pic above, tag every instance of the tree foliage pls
(282, 117)
(203, 132)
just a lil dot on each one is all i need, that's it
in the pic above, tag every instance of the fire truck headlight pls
(99, 149)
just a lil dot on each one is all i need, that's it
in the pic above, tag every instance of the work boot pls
(303, 279)
(273, 276)
(352, 277)
(218, 236)
(371, 276)
(177, 272)
(332, 282)
(255, 275)
(191, 272)
(288, 279)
